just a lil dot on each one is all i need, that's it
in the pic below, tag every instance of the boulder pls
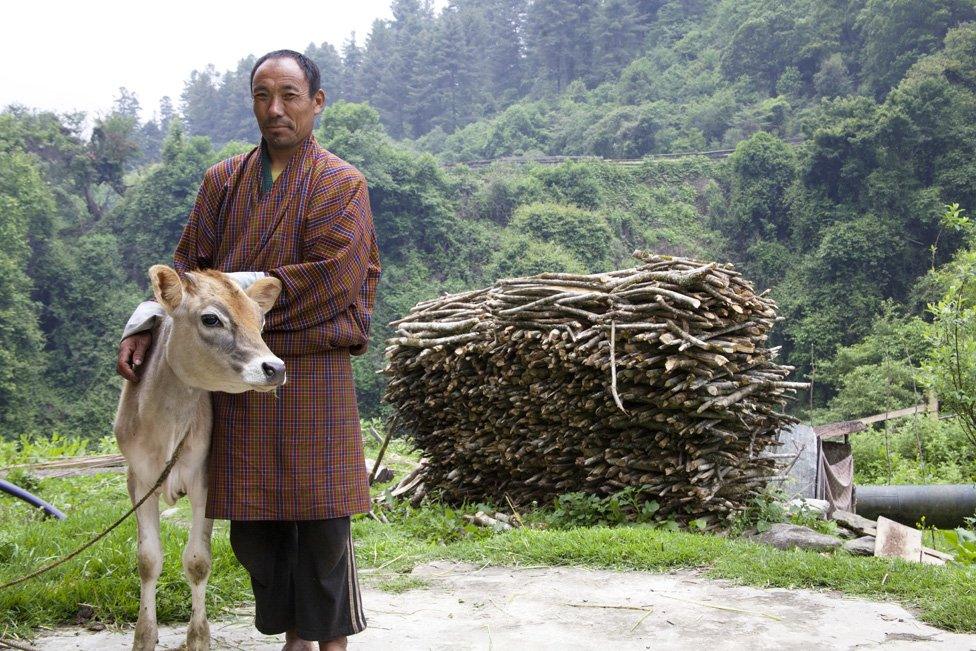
(854, 522)
(793, 536)
(863, 546)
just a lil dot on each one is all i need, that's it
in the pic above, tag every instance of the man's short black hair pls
(308, 66)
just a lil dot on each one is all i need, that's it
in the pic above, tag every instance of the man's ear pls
(166, 286)
(265, 292)
(319, 99)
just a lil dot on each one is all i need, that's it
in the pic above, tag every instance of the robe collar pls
(296, 161)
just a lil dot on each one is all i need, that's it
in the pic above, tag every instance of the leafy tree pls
(408, 192)
(832, 78)
(149, 221)
(64, 157)
(22, 197)
(951, 364)
(880, 372)
(518, 255)
(585, 235)
(761, 49)
(518, 130)
(501, 194)
(790, 83)
(762, 170)
(113, 146)
(898, 32)
(90, 301)
(627, 132)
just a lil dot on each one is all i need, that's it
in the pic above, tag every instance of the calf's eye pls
(210, 320)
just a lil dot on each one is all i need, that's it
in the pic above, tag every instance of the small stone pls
(793, 536)
(855, 522)
(808, 504)
(863, 546)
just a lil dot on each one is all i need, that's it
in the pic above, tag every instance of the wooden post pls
(933, 406)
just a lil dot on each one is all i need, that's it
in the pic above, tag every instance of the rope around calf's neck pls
(159, 482)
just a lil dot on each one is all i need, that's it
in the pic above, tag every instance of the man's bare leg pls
(295, 643)
(338, 644)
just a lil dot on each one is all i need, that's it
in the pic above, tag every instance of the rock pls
(863, 546)
(855, 522)
(808, 504)
(792, 536)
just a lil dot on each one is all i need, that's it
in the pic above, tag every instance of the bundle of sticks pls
(655, 377)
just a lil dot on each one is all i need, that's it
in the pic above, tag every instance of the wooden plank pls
(898, 413)
(895, 540)
(837, 430)
(844, 428)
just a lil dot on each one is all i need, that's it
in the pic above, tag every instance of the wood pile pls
(656, 376)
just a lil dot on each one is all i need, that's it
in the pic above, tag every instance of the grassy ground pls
(106, 577)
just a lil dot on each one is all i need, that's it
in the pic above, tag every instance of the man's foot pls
(295, 643)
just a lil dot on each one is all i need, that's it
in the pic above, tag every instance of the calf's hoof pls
(198, 636)
(145, 638)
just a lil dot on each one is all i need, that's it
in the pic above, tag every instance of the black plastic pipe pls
(943, 505)
(19, 492)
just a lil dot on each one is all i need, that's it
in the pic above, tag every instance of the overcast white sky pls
(62, 55)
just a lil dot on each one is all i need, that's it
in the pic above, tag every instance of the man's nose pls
(276, 107)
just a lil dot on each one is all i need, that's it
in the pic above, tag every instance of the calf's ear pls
(265, 292)
(166, 286)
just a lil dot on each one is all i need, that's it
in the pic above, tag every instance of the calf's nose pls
(274, 371)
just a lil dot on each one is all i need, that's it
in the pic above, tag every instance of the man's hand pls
(132, 353)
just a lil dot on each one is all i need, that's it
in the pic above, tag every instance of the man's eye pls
(210, 320)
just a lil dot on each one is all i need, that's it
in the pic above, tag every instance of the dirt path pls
(466, 607)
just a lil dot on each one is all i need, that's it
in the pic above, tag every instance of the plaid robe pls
(298, 456)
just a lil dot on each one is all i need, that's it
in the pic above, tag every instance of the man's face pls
(284, 111)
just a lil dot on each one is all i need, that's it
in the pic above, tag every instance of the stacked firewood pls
(656, 377)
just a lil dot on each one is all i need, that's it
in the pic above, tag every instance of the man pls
(288, 470)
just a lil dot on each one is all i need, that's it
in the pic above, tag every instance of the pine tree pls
(327, 58)
(352, 87)
(560, 39)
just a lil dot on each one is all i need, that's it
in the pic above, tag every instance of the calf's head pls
(216, 340)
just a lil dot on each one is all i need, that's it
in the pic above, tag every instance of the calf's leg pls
(196, 566)
(150, 565)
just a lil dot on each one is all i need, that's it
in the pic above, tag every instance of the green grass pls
(106, 576)
(401, 583)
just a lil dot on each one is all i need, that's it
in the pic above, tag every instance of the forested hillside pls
(853, 123)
